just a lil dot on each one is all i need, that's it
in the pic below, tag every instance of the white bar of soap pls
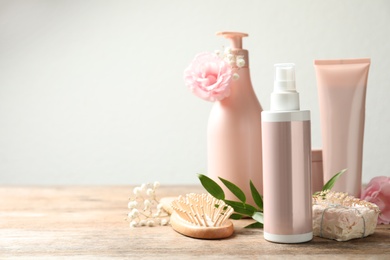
(341, 217)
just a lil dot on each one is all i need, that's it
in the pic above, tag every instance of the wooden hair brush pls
(202, 216)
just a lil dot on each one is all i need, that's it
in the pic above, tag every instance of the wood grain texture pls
(88, 222)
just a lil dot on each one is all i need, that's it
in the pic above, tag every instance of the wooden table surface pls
(88, 222)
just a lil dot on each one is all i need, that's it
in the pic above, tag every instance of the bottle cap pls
(284, 77)
(284, 97)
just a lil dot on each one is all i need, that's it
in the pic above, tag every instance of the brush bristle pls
(202, 210)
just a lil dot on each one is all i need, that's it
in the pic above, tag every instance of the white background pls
(92, 92)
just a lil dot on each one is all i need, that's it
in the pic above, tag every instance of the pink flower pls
(208, 76)
(378, 192)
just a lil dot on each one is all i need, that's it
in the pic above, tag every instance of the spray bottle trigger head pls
(284, 77)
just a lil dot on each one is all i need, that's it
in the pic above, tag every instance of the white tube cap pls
(284, 97)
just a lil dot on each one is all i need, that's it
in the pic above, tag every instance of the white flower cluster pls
(232, 59)
(145, 209)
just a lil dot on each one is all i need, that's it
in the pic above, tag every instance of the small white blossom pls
(164, 222)
(228, 50)
(132, 204)
(156, 184)
(147, 204)
(160, 206)
(240, 62)
(142, 223)
(230, 57)
(149, 192)
(150, 223)
(137, 191)
(143, 187)
(236, 76)
(134, 213)
(133, 223)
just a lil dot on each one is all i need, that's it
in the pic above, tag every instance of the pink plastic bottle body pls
(234, 137)
(287, 180)
(342, 88)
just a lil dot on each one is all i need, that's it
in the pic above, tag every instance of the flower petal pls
(208, 76)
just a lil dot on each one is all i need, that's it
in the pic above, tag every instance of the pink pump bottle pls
(234, 131)
(286, 163)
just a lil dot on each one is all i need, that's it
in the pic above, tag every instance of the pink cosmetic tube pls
(342, 88)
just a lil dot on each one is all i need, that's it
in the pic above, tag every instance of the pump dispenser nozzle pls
(284, 97)
(236, 45)
(234, 37)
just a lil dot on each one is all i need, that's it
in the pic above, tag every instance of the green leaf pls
(329, 185)
(236, 216)
(234, 189)
(212, 187)
(258, 216)
(241, 208)
(255, 225)
(256, 196)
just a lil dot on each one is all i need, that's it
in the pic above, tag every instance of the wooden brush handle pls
(183, 227)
